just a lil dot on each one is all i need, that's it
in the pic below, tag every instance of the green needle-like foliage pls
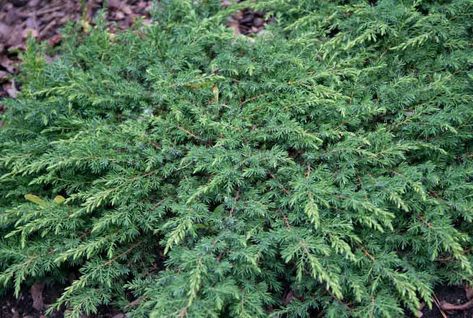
(177, 170)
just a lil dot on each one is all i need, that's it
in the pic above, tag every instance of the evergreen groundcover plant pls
(324, 166)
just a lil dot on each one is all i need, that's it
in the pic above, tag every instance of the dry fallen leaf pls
(126, 9)
(33, 3)
(29, 32)
(37, 296)
(469, 292)
(7, 64)
(116, 4)
(55, 39)
(233, 24)
(11, 89)
(289, 297)
(3, 76)
(4, 31)
(120, 15)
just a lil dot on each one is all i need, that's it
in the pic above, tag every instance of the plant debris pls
(453, 302)
(246, 21)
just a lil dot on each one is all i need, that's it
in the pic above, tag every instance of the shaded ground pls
(454, 295)
(33, 304)
(23, 306)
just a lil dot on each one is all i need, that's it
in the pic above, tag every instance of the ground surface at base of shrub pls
(323, 166)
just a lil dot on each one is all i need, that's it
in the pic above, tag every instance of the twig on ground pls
(437, 303)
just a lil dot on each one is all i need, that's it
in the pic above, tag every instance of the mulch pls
(247, 21)
(30, 304)
(43, 20)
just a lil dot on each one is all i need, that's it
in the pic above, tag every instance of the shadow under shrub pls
(183, 171)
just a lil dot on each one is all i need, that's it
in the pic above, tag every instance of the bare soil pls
(455, 295)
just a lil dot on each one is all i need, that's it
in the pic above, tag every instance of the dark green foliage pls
(325, 165)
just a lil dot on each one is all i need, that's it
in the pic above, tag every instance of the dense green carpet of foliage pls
(325, 165)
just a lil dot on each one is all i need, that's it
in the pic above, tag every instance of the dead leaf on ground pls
(289, 297)
(419, 312)
(55, 40)
(469, 292)
(3, 76)
(4, 31)
(11, 89)
(235, 26)
(29, 32)
(7, 64)
(33, 3)
(37, 296)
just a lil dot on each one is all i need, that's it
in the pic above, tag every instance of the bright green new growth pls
(325, 165)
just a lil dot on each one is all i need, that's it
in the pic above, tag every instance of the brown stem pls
(448, 306)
